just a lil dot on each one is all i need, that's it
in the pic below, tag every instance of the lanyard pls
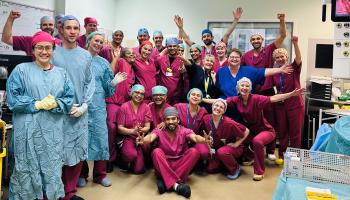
(206, 83)
(212, 127)
(281, 83)
(191, 125)
(260, 57)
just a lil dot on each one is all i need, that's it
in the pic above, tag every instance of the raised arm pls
(282, 97)
(283, 34)
(281, 70)
(237, 15)
(296, 50)
(7, 31)
(182, 34)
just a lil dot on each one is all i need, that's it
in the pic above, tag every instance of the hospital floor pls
(143, 187)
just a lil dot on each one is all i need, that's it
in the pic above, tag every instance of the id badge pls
(212, 151)
(168, 73)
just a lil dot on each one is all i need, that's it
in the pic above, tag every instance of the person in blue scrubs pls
(227, 77)
(105, 84)
(39, 95)
(77, 62)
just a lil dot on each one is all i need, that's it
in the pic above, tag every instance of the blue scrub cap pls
(69, 17)
(197, 46)
(137, 87)
(142, 31)
(159, 90)
(244, 79)
(171, 41)
(181, 45)
(58, 17)
(46, 18)
(157, 33)
(192, 90)
(207, 31)
(170, 111)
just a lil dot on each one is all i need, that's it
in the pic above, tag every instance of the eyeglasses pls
(40, 48)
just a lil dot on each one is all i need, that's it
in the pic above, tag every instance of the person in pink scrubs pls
(170, 70)
(58, 24)
(123, 64)
(24, 43)
(228, 137)
(173, 160)
(207, 36)
(158, 41)
(145, 69)
(142, 36)
(261, 57)
(158, 104)
(251, 108)
(115, 48)
(134, 118)
(221, 51)
(90, 25)
(191, 116)
(290, 113)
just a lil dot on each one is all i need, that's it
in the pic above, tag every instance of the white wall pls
(158, 15)
(48, 4)
(102, 10)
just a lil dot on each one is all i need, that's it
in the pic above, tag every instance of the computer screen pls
(340, 10)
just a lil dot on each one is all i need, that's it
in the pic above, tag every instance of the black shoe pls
(110, 167)
(75, 197)
(183, 190)
(161, 186)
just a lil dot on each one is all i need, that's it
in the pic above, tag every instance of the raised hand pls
(14, 14)
(179, 21)
(281, 16)
(237, 15)
(294, 39)
(208, 138)
(161, 126)
(286, 69)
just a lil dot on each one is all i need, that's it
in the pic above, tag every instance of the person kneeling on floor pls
(173, 160)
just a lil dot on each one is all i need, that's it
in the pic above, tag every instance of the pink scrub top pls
(262, 60)
(252, 113)
(169, 76)
(154, 53)
(81, 40)
(287, 83)
(24, 43)
(106, 52)
(157, 117)
(186, 120)
(226, 132)
(129, 119)
(146, 75)
(176, 147)
(122, 93)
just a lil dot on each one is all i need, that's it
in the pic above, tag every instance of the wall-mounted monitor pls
(340, 10)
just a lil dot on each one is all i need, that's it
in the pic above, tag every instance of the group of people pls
(82, 99)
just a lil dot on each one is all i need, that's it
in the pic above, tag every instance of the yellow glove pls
(46, 103)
